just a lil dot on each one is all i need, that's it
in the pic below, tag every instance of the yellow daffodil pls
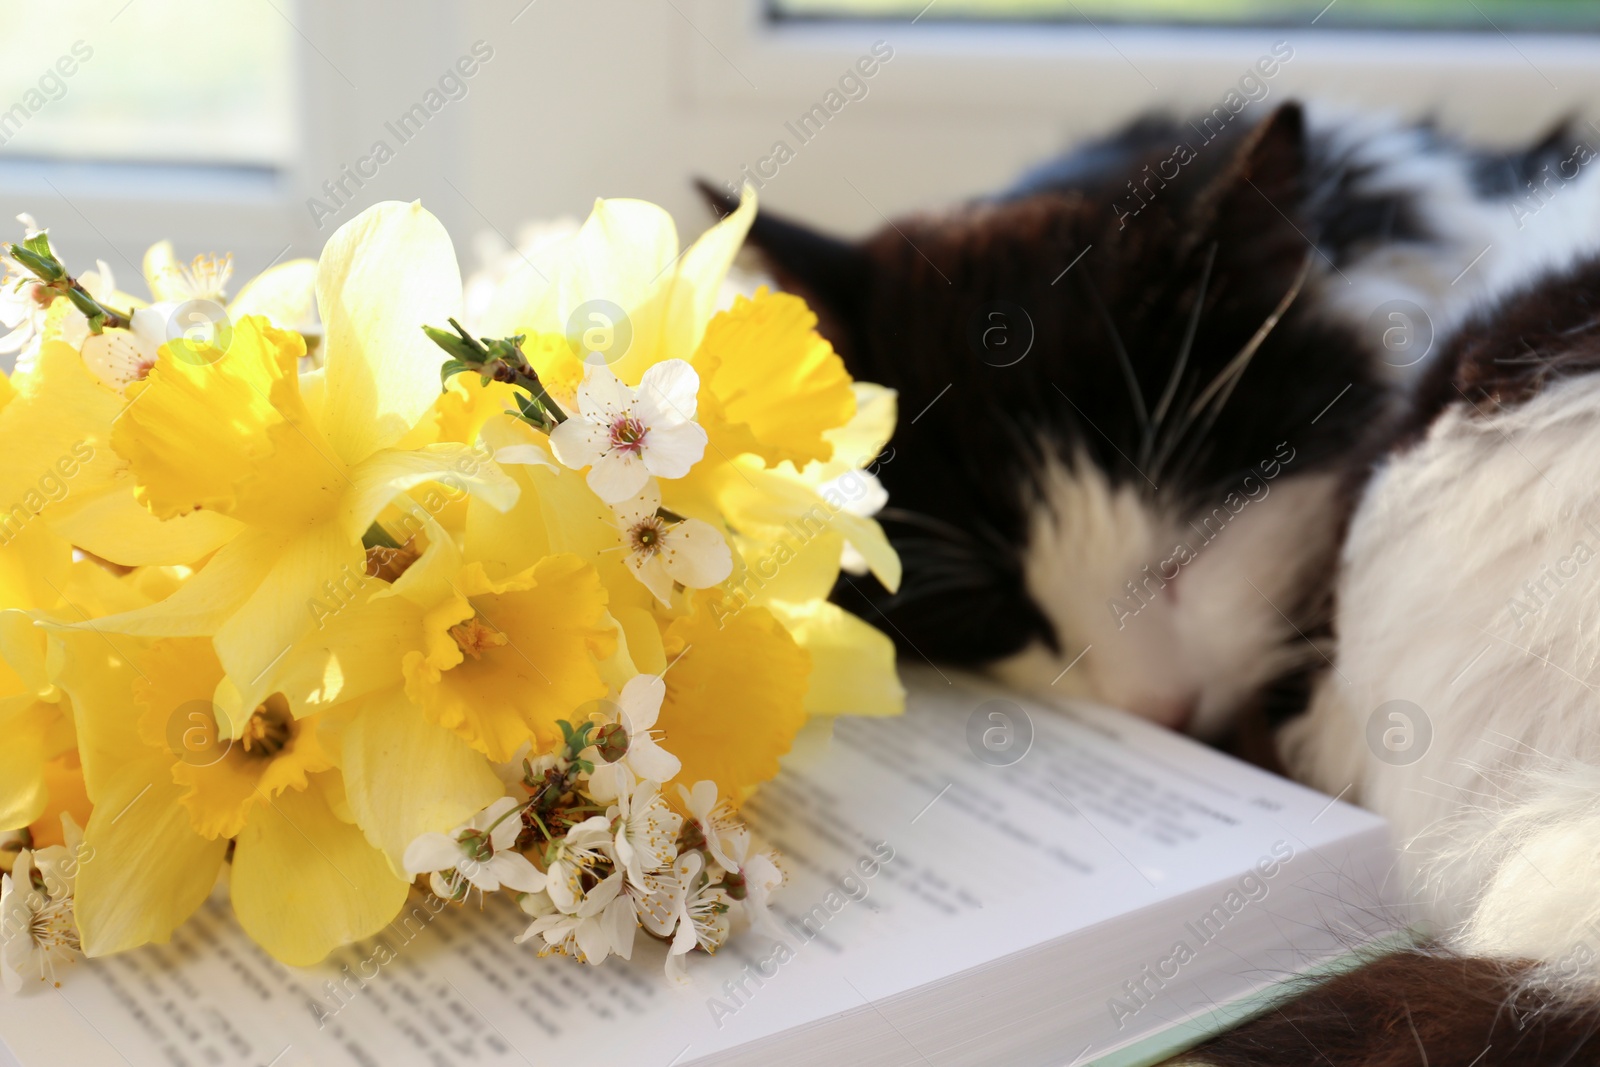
(61, 468)
(436, 667)
(169, 790)
(496, 660)
(769, 383)
(304, 472)
(735, 694)
(619, 290)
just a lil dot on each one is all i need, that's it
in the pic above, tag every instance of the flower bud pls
(612, 742)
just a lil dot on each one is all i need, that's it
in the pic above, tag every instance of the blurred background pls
(258, 126)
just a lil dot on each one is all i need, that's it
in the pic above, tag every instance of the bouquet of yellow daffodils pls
(336, 592)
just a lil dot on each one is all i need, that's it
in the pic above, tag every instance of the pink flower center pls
(627, 434)
(646, 536)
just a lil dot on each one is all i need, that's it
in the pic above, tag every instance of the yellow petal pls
(405, 776)
(224, 780)
(51, 432)
(146, 869)
(286, 294)
(556, 513)
(735, 694)
(643, 637)
(383, 276)
(35, 566)
(96, 672)
(873, 544)
(853, 670)
(22, 647)
(544, 633)
(26, 726)
(283, 608)
(696, 284)
(771, 505)
(113, 525)
(769, 383)
(221, 796)
(206, 601)
(459, 412)
(305, 883)
(354, 651)
(622, 255)
(63, 779)
(160, 267)
(860, 441)
(375, 482)
(196, 432)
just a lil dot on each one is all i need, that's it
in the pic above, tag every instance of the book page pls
(917, 848)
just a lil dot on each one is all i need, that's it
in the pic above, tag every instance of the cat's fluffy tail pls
(1514, 980)
(1416, 1008)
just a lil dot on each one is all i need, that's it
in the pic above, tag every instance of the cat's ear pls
(832, 275)
(1253, 203)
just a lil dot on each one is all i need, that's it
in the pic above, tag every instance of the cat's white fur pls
(1485, 247)
(1183, 651)
(1470, 588)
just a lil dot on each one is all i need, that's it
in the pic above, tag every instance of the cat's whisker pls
(1135, 394)
(925, 521)
(1215, 396)
(1180, 365)
(1230, 374)
(1190, 329)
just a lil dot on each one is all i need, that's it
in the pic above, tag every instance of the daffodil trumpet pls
(318, 605)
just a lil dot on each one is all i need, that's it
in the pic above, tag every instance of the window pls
(1438, 14)
(168, 81)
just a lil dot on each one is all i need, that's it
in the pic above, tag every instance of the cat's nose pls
(1174, 711)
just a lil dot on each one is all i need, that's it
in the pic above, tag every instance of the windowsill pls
(183, 182)
(112, 208)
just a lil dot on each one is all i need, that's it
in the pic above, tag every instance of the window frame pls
(109, 209)
(1484, 84)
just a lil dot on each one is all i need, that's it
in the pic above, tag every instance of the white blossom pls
(637, 708)
(646, 830)
(480, 852)
(38, 928)
(662, 550)
(625, 436)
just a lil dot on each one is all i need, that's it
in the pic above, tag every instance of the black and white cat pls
(1141, 397)
(1090, 396)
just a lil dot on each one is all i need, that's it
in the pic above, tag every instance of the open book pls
(983, 881)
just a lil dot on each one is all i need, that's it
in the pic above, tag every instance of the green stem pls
(377, 537)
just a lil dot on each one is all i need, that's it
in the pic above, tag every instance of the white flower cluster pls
(627, 438)
(594, 852)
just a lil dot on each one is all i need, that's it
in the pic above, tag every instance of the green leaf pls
(45, 267)
(450, 368)
(533, 412)
(451, 343)
(40, 243)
